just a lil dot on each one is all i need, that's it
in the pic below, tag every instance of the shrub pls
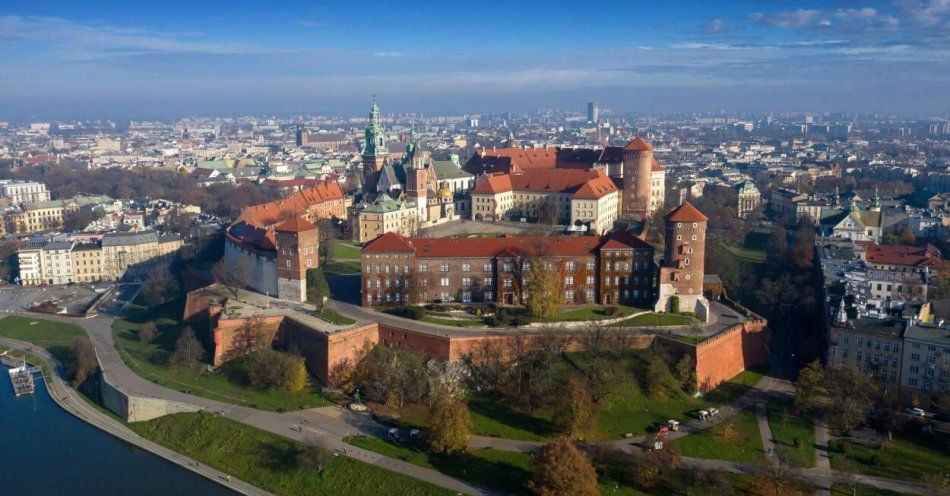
(610, 311)
(674, 304)
(797, 442)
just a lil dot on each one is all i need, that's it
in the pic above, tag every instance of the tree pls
(686, 374)
(809, 388)
(81, 361)
(850, 392)
(804, 249)
(188, 350)
(317, 287)
(313, 455)
(547, 211)
(77, 220)
(159, 286)
(448, 427)
(778, 246)
(247, 338)
(659, 382)
(178, 222)
(936, 484)
(234, 274)
(147, 332)
(573, 407)
(559, 468)
(674, 304)
(543, 287)
(266, 369)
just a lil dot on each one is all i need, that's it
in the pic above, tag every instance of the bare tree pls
(234, 274)
(247, 338)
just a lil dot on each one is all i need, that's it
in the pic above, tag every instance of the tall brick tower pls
(298, 243)
(375, 150)
(683, 268)
(637, 167)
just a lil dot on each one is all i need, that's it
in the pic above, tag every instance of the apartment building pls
(116, 256)
(17, 192)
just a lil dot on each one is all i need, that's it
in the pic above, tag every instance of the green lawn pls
(149, 360)
(49, 334)
(786, 426)
(732, 389)
(453, 322)
(344, 249)
(332, 316)
(845, 490)
(267, 460)
(654, 319)
(595, 313)
(901, 458)
(744, 253)
(342, 267)
(736, 439)
(504, 471)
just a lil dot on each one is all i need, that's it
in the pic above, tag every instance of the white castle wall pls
(263, 269)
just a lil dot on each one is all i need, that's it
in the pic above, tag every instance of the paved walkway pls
(823, 454)
(292, 425)
(768, 443)
(68, 399)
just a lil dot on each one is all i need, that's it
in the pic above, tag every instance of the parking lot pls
(72, 297)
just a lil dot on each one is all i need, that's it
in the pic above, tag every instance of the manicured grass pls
(732, 389)
(54, 336)
(786, 426)
(595, 313)
(43, 333)
(343, 249)
(268, 460)
(901, 458)
(845, 490)
(504, 471)
(743, 444)
(654, 319)
(342, 267)
(454, 323)
(747, 254)
(150, 360)
(332, 316)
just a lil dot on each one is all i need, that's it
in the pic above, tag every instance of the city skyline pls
(110, 60)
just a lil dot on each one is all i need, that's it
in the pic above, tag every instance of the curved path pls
(295, 425)
(68, 399)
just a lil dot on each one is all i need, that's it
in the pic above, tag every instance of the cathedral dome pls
(445, 193)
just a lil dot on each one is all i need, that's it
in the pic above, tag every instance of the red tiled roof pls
(270, 213)
(913, 256)
(587, 184)
(686, 212)
(493, 183)
(296, 224)
(491, 247)
(655, 166)
(638, 145)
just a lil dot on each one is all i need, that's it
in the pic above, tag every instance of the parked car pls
(917, 412)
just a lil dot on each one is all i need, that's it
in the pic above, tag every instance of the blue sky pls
(165, 59)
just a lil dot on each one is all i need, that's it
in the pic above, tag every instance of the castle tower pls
(417, 185)
(298, 243)
(375, 151)
(683, 268)
(637, 167)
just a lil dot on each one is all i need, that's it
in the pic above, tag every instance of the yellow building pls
(384, 215)
(87, 262)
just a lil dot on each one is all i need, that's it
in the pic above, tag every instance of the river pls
(45, 451)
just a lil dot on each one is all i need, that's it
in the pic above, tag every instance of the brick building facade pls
(610, 270)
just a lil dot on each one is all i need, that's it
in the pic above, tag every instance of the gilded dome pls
(445, 192)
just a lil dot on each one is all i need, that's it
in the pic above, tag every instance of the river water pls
(45, 451)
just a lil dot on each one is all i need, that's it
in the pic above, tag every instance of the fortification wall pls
(263, 268)
(226, 332)
(726, 354)
(135, 408)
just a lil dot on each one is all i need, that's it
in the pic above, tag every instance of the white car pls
(917, 412)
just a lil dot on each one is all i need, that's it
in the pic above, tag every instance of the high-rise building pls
(593, 112)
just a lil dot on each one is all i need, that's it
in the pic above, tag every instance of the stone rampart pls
(134, 408)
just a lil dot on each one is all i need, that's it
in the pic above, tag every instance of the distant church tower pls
(298, 244)
(375, 151)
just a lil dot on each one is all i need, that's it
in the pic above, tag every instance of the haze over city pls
(169, 59)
